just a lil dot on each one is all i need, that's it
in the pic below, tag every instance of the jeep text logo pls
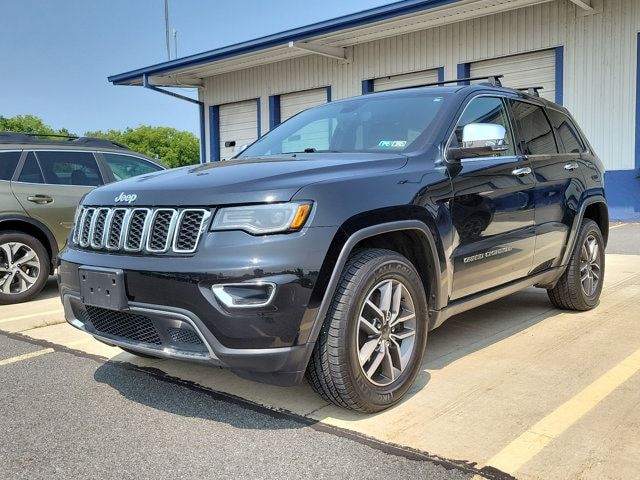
(126, 197)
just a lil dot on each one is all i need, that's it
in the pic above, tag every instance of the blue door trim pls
(203, 148)
(637, 142)
(274, 111)
(463, 71)
(441, 74)
(559, 75)
(367, 86)
(329, 94)
(214, 133)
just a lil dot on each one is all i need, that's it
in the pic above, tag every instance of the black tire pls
(43, 269)
(138, 354)
(334, 370)
(569, 293)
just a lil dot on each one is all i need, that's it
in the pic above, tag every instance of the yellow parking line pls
(26, 356)
(531, 442)
(77, 342)
(617, 226)
(31, 315)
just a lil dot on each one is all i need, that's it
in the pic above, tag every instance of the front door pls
(492, 209)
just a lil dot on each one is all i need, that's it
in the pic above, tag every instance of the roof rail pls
(533, 91)
(34, 139)
(492, 80)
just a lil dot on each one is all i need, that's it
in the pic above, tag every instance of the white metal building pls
(583, 52)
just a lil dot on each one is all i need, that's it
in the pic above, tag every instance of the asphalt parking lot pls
(513, 388)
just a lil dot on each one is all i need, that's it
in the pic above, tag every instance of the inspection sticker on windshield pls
(392, 143)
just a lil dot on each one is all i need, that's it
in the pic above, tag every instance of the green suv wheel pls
(24, 267)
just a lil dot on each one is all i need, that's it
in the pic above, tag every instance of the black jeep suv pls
(334, 244)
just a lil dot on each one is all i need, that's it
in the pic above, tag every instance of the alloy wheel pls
(386, 332)
(590, 265)
(19, 267)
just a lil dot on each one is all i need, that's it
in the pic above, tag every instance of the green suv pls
(41, 183)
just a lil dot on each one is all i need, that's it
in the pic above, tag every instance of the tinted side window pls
(126, 166)
(8, 164)
(536, 135)
(568, 136)
(486, 110)
(31, 172)
(70, 168)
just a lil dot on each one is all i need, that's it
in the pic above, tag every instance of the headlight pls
(259, 219)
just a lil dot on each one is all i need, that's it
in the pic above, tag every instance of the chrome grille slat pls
(140, 230)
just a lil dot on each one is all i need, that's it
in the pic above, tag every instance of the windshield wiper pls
(312, 150)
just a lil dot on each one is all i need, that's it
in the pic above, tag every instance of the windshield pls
(389, 123)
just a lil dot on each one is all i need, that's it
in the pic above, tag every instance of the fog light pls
(245, 295)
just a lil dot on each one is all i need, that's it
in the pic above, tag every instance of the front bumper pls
(172, 311)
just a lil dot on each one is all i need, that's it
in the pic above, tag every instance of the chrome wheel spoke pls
(395, 353)
(396, 301)
(377, 360)
(26, 277)
(368, 326)
(405, 318)
(386, 291)
(403, 334)
(6, 285)
(388, 370)
(8, 254)
(26, 257)
(367, 350)
(375, 308)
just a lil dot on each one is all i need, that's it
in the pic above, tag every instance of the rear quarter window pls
(534, 131)
(568, 136)
(8, 164)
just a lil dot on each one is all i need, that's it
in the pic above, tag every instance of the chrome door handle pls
(521, 172)
(40, 199)
(571, 166)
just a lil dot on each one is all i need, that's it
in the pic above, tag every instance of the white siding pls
(599, 65)
(537, 69)
(292, 103)
(405, 80)
(238, 123)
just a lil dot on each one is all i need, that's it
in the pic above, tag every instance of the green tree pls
(173, 148)
(28, 124)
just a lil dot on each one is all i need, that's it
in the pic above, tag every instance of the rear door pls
(492, 208)
(51, 184)
(559, 179)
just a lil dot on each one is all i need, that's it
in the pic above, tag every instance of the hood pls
(247, 180)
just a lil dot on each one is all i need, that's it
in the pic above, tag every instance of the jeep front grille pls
(142, 230)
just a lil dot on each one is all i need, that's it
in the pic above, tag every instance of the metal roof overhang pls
(327, 36)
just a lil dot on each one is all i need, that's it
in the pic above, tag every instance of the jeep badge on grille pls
(126, 197)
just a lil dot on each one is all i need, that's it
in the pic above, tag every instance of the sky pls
(55, 55)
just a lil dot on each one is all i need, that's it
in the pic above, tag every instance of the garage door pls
(536, 69)
(238, 126)
(414, 79)
(292, 103)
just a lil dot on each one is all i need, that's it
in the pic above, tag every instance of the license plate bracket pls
(103, 287)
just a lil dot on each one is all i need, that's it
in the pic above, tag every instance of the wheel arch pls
(34, 228)
(392, 235)
(594, 208)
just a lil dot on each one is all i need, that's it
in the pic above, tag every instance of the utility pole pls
(166, 28)
(175, 43)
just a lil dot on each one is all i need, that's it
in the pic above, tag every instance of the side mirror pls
(480, 140)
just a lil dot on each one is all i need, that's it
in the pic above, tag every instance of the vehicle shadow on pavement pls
(459, 337)
(471, 331)
(154, 389)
